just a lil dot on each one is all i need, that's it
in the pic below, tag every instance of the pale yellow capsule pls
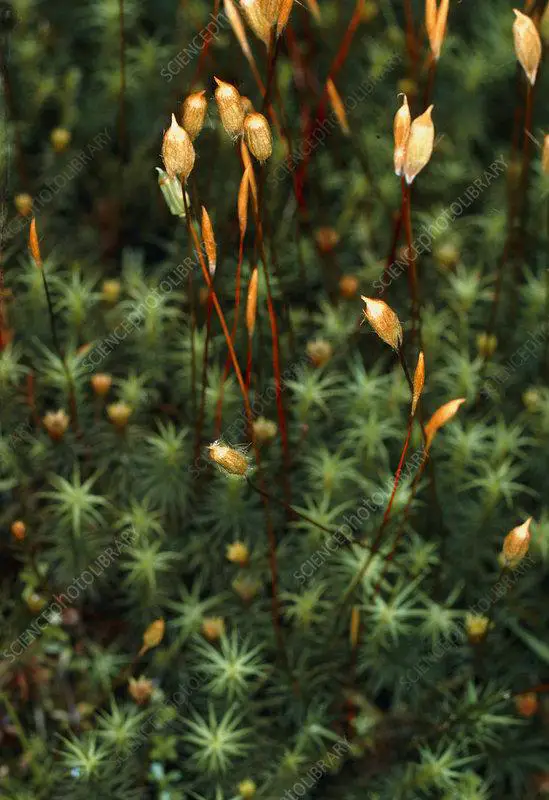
(177, 151)
(251, 303)
(441, 416)
(257, 18)
(418, 382)
(383, 320)
(208, 238)
(435, 23)
(284, 15)
(516, 544)
(527, 44)
(193, 113)
(230, 108)
(338, 106)
(420, 145)
(258, 136)
(401, 132)
(229, 459)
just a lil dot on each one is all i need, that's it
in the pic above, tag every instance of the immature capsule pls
(258, 136)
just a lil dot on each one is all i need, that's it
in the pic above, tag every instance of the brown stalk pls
(275, 605)
(34, 247)
(410, 258)
(243, 195)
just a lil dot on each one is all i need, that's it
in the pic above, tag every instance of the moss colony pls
(274, 420)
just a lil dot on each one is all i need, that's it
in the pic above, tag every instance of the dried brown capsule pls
(418, 382)
(337, 106)
(430, 17)
(257, 16)
(209, 241)
(258, 136)
(193, 113)
(177, 151)
(248, 167)
(34, 247)
(383, 320)
(242, 202)
(284, 15)
(230, 459)
(516, 544)
(420, 145)
(251, 303)
(441, 416)
(435, 23)
(401, 132)
(527, 44)
(230, 108)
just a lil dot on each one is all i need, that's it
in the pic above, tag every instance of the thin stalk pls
(291, 509)
(410, 35)
(432, 71)
(275, 348)
(526, 155)
(53, 325)
(237, 293)
(218, 309)
(394, 244)
(205, 49)
(270, 532)
(410, 258)
(379, 536)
